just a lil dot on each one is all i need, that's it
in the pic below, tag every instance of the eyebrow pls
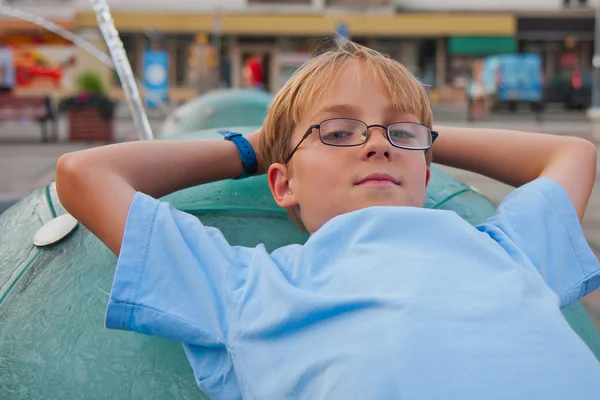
(351, 111)
(344, 109)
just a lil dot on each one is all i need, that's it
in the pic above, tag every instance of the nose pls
(377, 144)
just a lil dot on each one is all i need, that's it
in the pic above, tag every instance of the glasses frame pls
(434, 135)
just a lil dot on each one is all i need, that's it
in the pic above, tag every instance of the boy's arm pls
(517, 158)
(97, 185)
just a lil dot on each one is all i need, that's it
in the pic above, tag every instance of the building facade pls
(564, 38)
(208, 43)
(284, 33)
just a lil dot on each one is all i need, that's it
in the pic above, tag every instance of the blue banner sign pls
(156, 77)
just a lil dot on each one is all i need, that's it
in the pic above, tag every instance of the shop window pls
(183, 48)
(199, 62)
(391, 48)
(427, 50)
(299, 45)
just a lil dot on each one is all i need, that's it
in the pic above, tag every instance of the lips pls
(374, 178)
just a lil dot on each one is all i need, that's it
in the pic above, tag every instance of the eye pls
(401, 134)
(338, 135)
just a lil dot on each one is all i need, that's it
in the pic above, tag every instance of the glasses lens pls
(343, 132)
(412, 136)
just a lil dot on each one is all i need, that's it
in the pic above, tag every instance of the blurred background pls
(210, 44)
(516, 64)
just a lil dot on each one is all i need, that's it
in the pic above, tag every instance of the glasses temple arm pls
(308, 132)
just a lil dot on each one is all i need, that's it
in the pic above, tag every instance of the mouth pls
(379, 180)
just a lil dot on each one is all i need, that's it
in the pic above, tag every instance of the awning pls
(277, 24)
(481, 45)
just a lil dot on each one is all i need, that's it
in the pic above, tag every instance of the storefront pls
(282, 42)
(419, 55)
(464, 50)
(565, 43)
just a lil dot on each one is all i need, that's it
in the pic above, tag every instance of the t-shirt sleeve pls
(538, 226)
(175, 278)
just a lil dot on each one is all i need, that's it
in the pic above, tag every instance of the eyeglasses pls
(347, 132)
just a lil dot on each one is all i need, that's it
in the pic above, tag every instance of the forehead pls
(355, 85)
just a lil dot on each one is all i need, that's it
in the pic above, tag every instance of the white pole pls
(117, 52)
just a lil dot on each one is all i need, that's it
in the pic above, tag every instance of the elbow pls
(591, 149)
(584, 158)
(572, 154)
(69, 172)
(585, 154)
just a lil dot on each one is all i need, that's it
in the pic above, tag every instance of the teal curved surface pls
(227, 107)
(53, 344)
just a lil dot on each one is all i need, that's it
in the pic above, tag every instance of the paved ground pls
(26, 164)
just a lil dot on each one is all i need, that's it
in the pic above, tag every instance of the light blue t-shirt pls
(382, 303)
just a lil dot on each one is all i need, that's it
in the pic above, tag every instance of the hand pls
(254, 139)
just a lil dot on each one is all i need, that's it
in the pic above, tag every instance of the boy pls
(386, 300)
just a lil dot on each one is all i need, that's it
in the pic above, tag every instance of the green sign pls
(481, 45)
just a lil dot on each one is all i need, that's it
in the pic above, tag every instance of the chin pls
(382, 202)
(385, 198)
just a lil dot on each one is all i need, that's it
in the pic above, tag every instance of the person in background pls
(253, 73)
(7, 69)
(477, 94)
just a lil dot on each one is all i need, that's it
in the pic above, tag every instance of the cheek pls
(414, 169)
(418, 180)
(418, 165)
(315, 177)
(318, 176)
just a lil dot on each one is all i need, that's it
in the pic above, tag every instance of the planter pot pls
(87, 125)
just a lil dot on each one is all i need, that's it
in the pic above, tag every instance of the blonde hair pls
(302, 90)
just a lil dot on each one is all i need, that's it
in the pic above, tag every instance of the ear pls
(279, 183)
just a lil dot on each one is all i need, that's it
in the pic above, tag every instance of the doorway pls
(256, 70)
(253, 62)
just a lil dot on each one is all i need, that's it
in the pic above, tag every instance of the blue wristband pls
(247, 153)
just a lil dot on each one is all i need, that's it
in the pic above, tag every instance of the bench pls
(39, 109)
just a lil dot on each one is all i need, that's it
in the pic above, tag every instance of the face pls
(325, 181)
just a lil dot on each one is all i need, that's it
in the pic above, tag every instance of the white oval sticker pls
(55, 230)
